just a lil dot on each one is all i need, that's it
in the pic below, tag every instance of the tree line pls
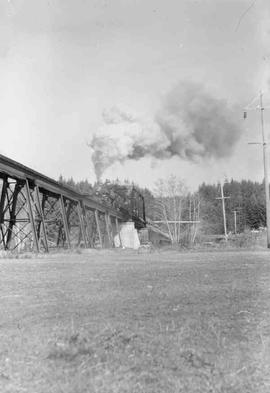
(170, 204)
(246, 198)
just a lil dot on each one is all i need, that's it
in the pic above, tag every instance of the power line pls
(243, 15)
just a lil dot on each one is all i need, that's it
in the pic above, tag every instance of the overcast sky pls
(63, 62)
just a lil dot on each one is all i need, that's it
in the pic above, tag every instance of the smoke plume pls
(191, 124)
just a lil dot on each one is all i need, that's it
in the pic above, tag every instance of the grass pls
(119, 321)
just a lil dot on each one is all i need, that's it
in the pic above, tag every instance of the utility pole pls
(265, 165)
(235, 222)
(223, 210)
(266, 175)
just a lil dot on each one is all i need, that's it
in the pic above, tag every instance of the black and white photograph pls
(134, 196)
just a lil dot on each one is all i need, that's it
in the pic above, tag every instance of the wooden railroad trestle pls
(37, 213)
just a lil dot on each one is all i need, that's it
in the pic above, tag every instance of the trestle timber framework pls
(37, 213)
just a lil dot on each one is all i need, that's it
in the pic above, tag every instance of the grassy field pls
(118, 321)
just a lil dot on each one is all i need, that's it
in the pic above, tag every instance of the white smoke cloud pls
(123, 136)
(116, 115)
(191, 124)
